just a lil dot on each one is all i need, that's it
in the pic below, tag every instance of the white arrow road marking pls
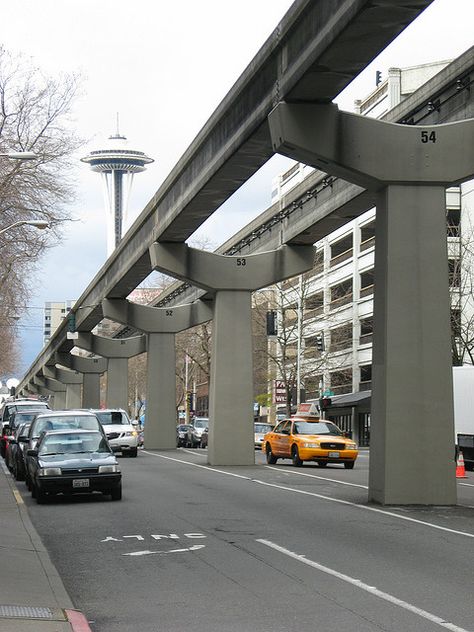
(370, 589)
(196, 547)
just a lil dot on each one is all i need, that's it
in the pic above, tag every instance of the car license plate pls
(333, 455)
(80, 482)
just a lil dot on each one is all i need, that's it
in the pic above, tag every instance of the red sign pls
(279, 392)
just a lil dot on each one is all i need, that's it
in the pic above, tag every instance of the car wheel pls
(295, 457)
(19, 473)
(40, 497)
(116, 493)
(349, 465)
(33, 490)
(133, 452)
(322, 463)
(271, 458)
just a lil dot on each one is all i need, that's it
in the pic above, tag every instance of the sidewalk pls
(32, 595)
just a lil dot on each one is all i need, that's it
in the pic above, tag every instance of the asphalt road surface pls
(259, 549)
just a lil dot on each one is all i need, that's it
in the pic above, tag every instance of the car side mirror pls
(23, 439)
(32, 453)
(134, 422)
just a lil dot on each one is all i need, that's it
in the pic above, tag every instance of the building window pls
(366, 330)
(453, 221)
(314, 305)
(341, 337)
(367, 236)
(367, 283)
(341, 294)
(365, 377)
(341, 381)
(341, 250)
(311, 386)
(454, 271)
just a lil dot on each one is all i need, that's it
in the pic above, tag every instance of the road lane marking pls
(321, 496)
(467, 484)
(370, 589)
(196, 547)
(323, 478)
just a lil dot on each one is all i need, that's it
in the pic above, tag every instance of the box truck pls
(463, 392)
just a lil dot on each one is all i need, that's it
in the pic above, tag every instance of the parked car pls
(9, 428)
(73, 462)
(17, 446)
(199, 423)
(309, 439)
(59, 420)
(260, 430)
(183, 435)
(121, 432)
(17, 405)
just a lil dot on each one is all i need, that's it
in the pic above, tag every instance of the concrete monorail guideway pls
(278, 105)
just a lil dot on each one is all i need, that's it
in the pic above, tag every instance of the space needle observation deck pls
(117, 164)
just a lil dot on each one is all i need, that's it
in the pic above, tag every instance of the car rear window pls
(112, 417)
(73, 443)
(87, 422)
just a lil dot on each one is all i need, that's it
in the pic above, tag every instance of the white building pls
(54, 314)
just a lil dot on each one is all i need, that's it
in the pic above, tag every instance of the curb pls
(77, 620)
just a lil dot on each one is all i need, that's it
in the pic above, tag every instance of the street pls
(259, 549)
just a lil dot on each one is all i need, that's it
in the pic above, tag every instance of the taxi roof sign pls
(309, 409)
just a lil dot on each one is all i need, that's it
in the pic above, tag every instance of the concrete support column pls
(408, 167)
(91, 390)
(91, 369)
(412, 397)
(231, 396)
(117, 383)
(161, 392)
(59, 400)
(232, 279)
(73, 396)
(117, 352)
(72, 381)
(160, 325)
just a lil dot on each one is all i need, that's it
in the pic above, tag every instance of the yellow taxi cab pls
(306, 437)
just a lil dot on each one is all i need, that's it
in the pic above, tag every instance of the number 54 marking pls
(428, 137)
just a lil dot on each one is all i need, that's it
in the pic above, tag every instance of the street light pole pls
(37, 223)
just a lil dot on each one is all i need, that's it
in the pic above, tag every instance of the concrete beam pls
(117, 352)
(154, 319)
(214, 272)
(369, 152)
(81, 364)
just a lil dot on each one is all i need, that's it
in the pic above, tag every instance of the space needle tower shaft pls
(117, 165)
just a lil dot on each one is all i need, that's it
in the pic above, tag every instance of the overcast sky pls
(165, 66)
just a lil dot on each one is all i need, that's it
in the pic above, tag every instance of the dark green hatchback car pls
(73, 462)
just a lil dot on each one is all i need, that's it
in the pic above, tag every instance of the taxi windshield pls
(319, 427)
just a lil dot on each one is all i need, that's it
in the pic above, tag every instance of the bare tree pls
(35, 115)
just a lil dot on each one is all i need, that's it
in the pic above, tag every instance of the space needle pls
(117, 164)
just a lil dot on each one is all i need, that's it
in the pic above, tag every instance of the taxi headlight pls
(108, 469)
(311, 445)
(351, 446)
(49, 471)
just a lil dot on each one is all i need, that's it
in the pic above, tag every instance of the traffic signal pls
(320, 342)
(272, 329)
(378, 77)
(71, 322)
